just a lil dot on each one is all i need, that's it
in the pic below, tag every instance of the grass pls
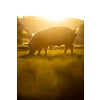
(55, 76)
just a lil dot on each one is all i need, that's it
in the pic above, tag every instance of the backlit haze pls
(51, 9)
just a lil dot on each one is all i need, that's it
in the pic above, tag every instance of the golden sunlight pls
(55, 18)
(24, 32)
(51, 9)
(20, 16)
(49, 17)
(32, 34)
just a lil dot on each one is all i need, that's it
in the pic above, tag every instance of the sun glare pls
(55, 18)
(20, 16)
(48, 17)
(51, 9)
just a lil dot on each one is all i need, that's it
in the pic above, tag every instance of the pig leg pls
(45, 48)
(39, 50)
(31, 51)
(66, 47)
(34, 50)
(71, 49)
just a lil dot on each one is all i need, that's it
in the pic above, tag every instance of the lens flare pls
(27, 79)
(46, 79)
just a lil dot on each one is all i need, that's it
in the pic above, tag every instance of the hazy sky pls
(52, 9)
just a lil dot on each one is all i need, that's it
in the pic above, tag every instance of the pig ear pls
(76, 30)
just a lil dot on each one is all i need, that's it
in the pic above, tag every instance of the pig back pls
(53, 36)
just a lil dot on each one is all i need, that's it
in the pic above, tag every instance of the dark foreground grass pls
(55, 76)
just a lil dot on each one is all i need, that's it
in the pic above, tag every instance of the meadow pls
(55, 76)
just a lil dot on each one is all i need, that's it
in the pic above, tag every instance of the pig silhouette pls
(57, 35)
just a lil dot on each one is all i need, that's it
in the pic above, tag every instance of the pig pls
(56, 35)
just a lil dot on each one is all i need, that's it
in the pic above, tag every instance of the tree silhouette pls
(80, 35)
(19, 32)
